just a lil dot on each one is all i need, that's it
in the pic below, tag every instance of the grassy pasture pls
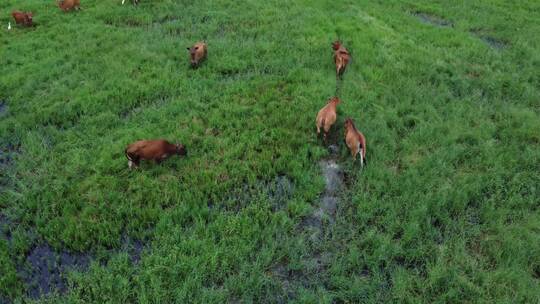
(447, 94)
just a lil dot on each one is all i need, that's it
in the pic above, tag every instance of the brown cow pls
(355, 141)
(341, 58)
(68, 5)
(327, 117)
(22, 18)
(156, 150)
(197, 53)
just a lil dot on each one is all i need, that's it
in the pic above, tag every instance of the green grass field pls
(446, 92)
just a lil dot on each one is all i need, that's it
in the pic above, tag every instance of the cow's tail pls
(362, 151)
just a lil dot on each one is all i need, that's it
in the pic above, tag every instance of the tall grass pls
(446, 210)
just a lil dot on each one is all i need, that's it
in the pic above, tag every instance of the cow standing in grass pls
(327, 117)
(157, 150)
(22, 18)
(69, 5)
(341, 58)
(355, 141)
(197, 53)
(135, 2)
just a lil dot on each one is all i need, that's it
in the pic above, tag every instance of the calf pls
(355, 141)
(341, 58)
(156, 150)
(22, 18)
(197, 53)
(327, 117)
(68, 5)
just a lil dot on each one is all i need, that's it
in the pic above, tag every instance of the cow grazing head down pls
(181, 150)
(23, 18)
(334, 99)
(197, 53)
(68, 5)
(29, 19)
(348, 124)
(335, 45)
(341, 57)
(154, 149)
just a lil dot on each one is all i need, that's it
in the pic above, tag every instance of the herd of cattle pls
(161, 149)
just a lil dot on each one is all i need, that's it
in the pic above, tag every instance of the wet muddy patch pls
(4, 300)
(309, 275)
(276, 191)
(44, 270)
(5, 228)
(234, 74)
(133, 247)
(173, 30)
(142, 106)
(494, 42)
(280, 191)
(167, 20)
(317, 230)
(431, 19)
(325, 211)
(126, 22)
(171, 27)
(7, 153)
(3, 108)
(484, 35)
